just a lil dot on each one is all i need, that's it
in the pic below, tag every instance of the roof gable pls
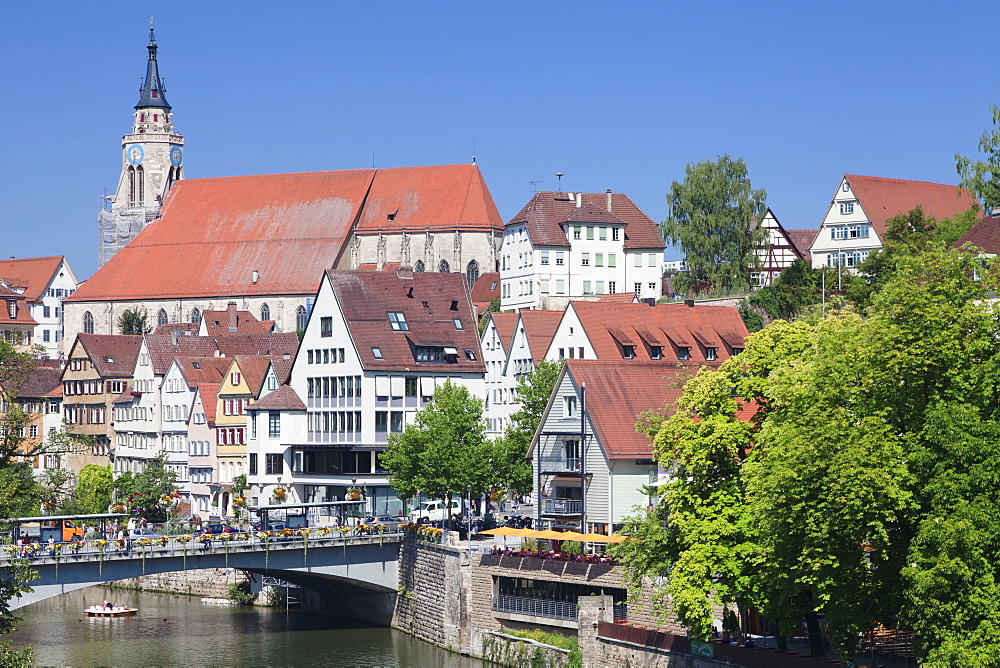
(984, 235)
(547, 212)
(32, 276)
(112, 355)
(883, 198)
(539, 328)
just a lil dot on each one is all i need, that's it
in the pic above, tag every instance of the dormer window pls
(391, 217)
(398, 321)
(656, 352)
(710, 354)
(628, 352)
(683, 353)
(12, 308)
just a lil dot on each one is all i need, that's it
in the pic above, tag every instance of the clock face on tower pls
(134, 154)
(176, 156)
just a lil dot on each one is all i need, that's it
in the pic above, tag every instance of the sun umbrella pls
(549, 534)
(574, 536)
(601, 538)
(502, 531)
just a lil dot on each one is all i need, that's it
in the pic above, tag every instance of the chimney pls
(994, 211)
(173, 338)
(579, 200)
(651, 301)
(607, 200)
(286, 356)
(231, 315)
(255, 276)
(689, 303)
(405, 272)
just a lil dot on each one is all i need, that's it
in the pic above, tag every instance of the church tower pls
(152, 160)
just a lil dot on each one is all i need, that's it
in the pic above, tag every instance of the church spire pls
(153, 92)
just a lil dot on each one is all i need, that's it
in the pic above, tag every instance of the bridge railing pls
(190, 544)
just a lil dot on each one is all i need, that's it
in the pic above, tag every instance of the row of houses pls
(230, 396)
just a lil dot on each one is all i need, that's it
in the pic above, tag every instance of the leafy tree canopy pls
(444, 451)
(93, 489)
(712, 217)
(981, 176)
(143, 491)
(134, 321)
(866, 487)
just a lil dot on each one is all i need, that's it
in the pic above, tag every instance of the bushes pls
(239, 592)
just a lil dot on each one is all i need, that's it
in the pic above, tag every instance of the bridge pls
(363, 567)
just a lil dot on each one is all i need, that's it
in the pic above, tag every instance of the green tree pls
(142, 491)
(866, 486)
(980, 176)
(713, 216)
(134, 321)
(93, 489)
(511, 468)
(444, 451)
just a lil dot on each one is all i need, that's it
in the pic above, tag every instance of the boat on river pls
(104, 611)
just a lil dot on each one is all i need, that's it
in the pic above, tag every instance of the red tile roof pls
(217, 323)
(540, 327)
(984, 235)
(610, 326)
(430, 301)
(214, 233)
(41, 382)
(112, 355)
(163, 349)
(22, 313)
(803, 241)
(32, 274)
(618, 393)
(282, 369)
(442, 197)
(487, 287)
(197, 370)
(181, 328)
(548, 213)
(505, 324)
(620, 298)
(282, 399)
(209, 399)
(254, 370)
(883, 199)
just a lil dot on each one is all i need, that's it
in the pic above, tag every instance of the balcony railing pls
(562, 506)
(559, 464)
(545, 608)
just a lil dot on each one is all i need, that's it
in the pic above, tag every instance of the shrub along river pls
(173, 630)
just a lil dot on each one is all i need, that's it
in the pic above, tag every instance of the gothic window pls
(265, 312)
(131, 186)
(472, 274)
(195, 315)
(139, 185)
(419, 266)
(300, 317)
(88, 323)
(161, 317)
(443, 267)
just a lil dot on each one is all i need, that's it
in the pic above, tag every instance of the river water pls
(173, 630)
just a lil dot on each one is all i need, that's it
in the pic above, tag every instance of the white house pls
(495, 344)
(44, 282)
(376, 346)
(564, 246)
(854, 225)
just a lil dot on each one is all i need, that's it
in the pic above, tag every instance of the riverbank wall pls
(206, 582)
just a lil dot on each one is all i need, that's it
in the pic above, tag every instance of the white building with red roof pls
(564, 246)
(43, 282)
(376, 346)
(854, 225)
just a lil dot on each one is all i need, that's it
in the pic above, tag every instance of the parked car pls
(391, 522)
(141, 532)
(435, 511)
(216, 529)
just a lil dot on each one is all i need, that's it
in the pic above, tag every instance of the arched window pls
(88, 323)
(472, 273)
(131, 186)
(161, 317)
(195, 315)
(140, 199)
(300, 317)
(443, 267)
(265, 312)
(419, 266)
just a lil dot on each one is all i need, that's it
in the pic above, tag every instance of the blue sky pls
(615, 95)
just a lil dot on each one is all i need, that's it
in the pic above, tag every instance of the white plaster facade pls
(137, 423)
(499, 404)
(846, 232)
(202, 455)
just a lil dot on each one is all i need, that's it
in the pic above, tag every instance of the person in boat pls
(107, 605)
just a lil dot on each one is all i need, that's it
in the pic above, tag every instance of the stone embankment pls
(205, 582)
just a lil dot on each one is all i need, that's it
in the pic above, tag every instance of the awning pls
(451, 351)
(502, 531)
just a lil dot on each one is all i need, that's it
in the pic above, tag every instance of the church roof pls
(215, 235)
(153, 92)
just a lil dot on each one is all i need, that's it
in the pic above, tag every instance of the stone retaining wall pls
(431, 602)
(210, 582)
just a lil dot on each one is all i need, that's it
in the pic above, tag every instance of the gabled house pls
(206, 491)
(43, 282)
(495, 343)
(99, 370)
(39, 397)
(984, 235)
(780, 250)
(17, 327)
(589, 462)
(376, 346)
(668, 334)
(854, 225)
(486, 289)
(565, 246)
